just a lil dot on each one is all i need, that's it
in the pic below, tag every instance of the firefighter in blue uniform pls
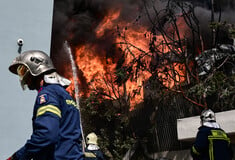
(211, 143)
(92, 151)
(57, 133)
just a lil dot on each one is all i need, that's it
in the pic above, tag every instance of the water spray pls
(75, 77)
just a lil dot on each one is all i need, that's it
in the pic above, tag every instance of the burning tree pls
(140, 58)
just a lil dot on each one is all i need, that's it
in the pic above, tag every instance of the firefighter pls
(57, 133)
(211, 143)
(92, 151)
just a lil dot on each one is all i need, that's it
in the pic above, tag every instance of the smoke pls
(223, 17)
(80, 18)
(76, 21)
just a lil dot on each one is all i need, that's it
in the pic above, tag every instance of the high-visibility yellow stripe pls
(216, 135)
(195, 151)
(49, 108)
(211, 150)
(89, 155)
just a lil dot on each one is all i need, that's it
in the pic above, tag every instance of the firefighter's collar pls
(211, 124)
(93, 147)
(55, 78)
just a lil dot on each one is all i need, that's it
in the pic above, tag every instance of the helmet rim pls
(27, 58)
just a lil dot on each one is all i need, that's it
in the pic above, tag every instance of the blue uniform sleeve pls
(200, 145)
(46, 124)
(45, 134)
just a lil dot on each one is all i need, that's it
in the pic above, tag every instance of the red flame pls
(99, 71)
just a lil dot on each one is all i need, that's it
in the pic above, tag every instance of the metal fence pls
(160, 134)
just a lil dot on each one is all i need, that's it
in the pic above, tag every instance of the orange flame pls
(107, 23)
(135, 44)
(94, 68)
(99, 71)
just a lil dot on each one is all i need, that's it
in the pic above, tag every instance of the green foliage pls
(109, 123)
(218, 90)
(122, 74)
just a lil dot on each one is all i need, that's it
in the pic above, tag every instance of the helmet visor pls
(23, 72)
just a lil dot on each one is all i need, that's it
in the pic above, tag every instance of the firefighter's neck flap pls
(55, 78)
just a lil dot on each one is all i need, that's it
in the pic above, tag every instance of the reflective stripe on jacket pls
(56, 127)
(211, 144)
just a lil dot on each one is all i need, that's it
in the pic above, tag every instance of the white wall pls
(187, 127)
(32, 21)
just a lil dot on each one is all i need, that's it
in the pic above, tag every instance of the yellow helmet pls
(91, 138)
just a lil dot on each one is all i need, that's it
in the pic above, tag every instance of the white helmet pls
(91, 138)
(207, 115)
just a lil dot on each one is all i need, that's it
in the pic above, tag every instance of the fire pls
(134, 46)
(134, 42)
(107, 23)
(174, 75)
(94, 68)
(71, 88)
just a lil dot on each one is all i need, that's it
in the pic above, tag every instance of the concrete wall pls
(187, 127)
(176, 155)
(171, 155)
(30, 20)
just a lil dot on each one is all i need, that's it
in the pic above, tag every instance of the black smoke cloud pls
(224, 11)
(76, 21)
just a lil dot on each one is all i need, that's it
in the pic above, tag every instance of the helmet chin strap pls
(55, 78)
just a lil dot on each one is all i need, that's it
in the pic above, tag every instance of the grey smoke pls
(76, 20)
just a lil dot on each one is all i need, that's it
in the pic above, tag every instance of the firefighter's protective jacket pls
(211, 144)
(56, 127)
